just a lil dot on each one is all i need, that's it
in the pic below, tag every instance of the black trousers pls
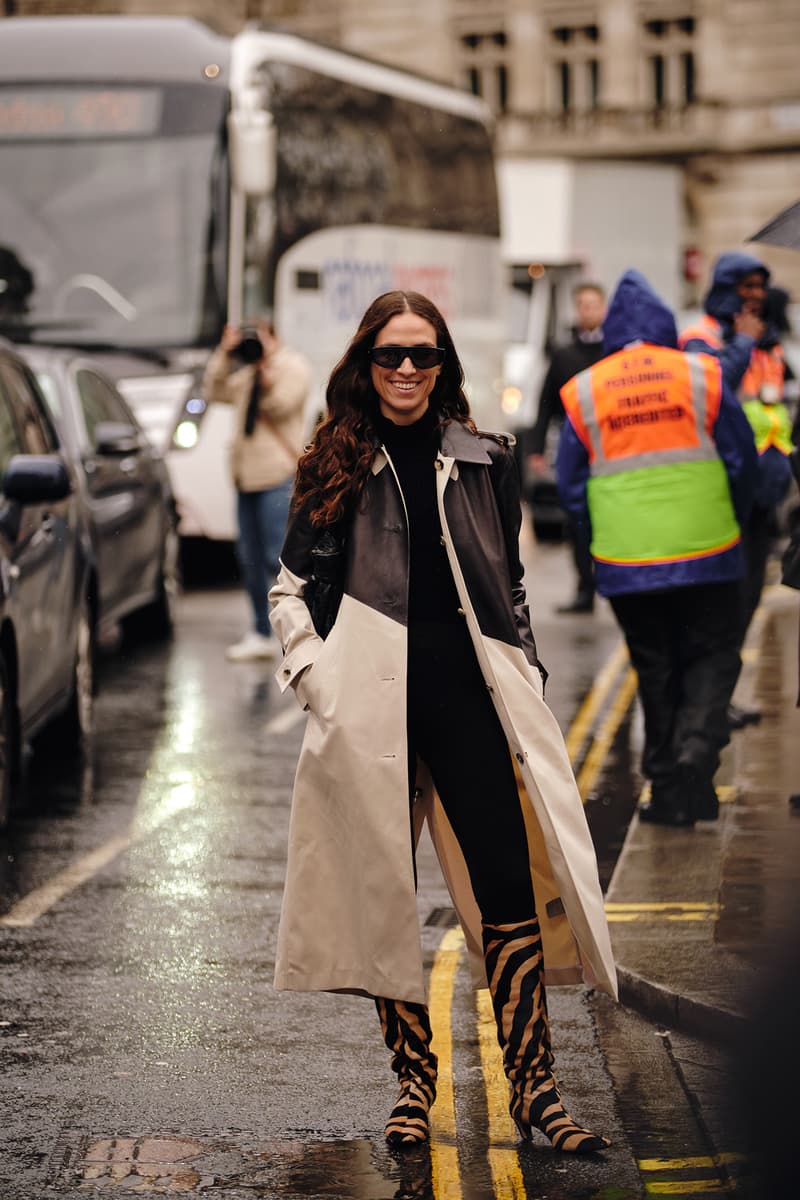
(684, 644)
(453, 727)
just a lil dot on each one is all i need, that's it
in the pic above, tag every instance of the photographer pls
(267, 383)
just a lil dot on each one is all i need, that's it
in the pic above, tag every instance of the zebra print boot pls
(407, 1032)
(514, 969)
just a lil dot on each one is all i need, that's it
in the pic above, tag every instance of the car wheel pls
(72, 731)
(156, 620)
(8, 742)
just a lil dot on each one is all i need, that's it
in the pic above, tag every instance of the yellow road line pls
(598, 751)
(444, 1152)
(593, 701)
(684, 1164)
(180, 796)
(503, 1157)
(662, 911)
(687, 1187)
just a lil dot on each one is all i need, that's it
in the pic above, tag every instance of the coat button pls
(439, 464)
(442, 540)
(461, 612)
(286, 671)
(519, 757)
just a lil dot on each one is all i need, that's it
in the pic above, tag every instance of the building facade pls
(709, 85)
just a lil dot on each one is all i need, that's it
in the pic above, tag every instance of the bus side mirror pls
(251, 142)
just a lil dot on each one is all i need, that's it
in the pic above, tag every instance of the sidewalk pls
(697, 914)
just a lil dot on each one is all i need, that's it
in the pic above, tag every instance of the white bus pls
(157, 180)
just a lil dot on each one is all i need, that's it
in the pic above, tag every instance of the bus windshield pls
(108, 226)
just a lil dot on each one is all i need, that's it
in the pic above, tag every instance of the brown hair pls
(332, 472)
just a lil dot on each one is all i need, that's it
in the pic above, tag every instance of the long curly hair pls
(332, 472)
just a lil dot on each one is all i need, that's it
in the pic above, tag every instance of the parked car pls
(47, 608)
(125, 487)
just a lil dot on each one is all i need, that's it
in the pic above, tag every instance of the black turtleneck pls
(432, 595)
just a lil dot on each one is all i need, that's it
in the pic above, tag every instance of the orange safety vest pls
(657, 489)
(707, 329)
(767, 368)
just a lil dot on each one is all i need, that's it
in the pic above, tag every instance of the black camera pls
(250, 349)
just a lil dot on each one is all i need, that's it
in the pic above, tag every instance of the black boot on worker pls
(406, 1030)
(669, 804)
(514, 968)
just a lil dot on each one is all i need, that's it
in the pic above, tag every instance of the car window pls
(52, 394)
(98, 401)
(10, 440)
(38, 434)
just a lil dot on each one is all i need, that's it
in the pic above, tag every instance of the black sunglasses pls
(423, 357)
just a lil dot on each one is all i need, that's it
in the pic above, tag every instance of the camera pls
(251, 348)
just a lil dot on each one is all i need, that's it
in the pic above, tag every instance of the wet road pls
(143, 1048)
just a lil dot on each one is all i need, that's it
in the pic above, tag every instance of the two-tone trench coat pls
(349, 919)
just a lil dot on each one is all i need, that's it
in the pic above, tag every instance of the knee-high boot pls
(406, 1030)
(514, 967)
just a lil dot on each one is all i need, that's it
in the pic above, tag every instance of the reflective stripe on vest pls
(707, 329)
(770, 424)
(765, 375)
(658, 491)
(646, 406)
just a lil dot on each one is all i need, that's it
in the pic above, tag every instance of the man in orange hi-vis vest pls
(738, 327)
(657, 464)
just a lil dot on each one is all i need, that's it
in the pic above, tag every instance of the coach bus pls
(158, 180)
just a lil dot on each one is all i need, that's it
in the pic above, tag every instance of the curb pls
(669, 1008)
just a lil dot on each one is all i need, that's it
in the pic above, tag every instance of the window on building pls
(575, 71)
(669, 50)
(485, 66)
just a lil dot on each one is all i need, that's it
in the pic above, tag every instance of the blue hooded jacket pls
(723, 302)
(637, 314)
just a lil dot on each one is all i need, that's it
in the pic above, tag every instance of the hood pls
(721, 300)
(637, 314)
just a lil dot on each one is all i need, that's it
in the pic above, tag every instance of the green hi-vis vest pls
(657, 491)
(770, 424)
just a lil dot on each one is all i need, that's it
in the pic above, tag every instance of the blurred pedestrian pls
(585, 348)
(657, 465)
(267, 383)
(740, 296)
(731, 323)
(430, 673)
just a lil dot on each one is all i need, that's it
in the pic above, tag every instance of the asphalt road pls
(142, 1047)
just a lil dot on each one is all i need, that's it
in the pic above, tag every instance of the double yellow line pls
(618, 681)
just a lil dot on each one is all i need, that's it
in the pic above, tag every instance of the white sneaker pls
(252, 646)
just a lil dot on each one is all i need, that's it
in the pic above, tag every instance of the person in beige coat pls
(267, 383)
(422, 699)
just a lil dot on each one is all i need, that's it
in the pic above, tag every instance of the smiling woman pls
(400, 372)
(429, 678)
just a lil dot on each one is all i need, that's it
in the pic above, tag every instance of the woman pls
(428, 679)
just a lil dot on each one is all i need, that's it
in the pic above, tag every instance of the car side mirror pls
(116, 438)
(36, 479)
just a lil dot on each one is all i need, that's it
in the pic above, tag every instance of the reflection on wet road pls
(144, 1048)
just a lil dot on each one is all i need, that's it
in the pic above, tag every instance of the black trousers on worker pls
(684, 644)
(453, 727)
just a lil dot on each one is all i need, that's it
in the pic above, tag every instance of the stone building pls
(711, 85)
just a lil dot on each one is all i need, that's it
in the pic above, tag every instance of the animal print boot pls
(406, 1030)
(514, 965)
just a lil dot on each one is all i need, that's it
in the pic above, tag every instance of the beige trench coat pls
(349, 919)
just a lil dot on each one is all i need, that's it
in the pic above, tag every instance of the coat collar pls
(458, 442)
(462, 444)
